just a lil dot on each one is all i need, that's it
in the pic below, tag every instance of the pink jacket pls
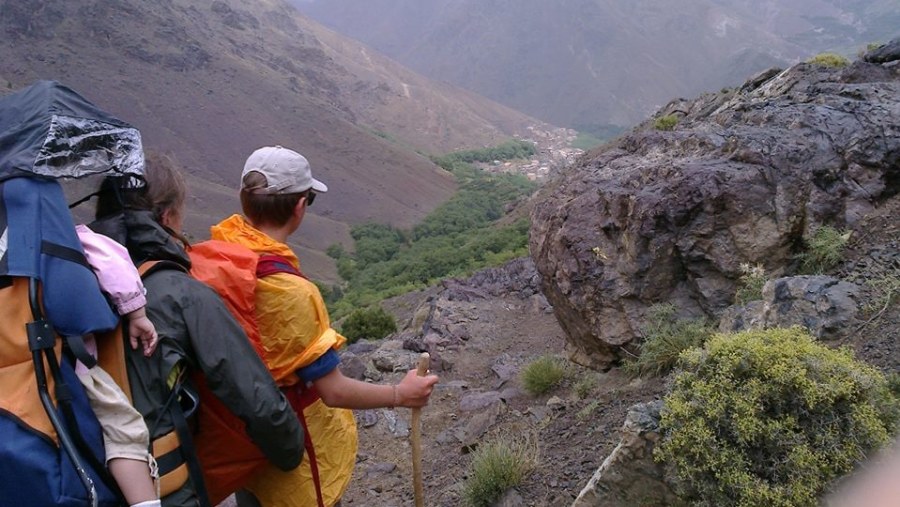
(118, 277)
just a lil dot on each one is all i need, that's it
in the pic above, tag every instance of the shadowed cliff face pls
(744, 177)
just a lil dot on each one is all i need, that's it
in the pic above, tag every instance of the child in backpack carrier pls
(125, 434)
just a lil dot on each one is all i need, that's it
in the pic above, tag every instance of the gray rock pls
(511, 498)
(745, 178)
(353, 366)
(479, 424)
(479, 401)
(391, 357)
(824, 305)
(889, 52)
(629, 476)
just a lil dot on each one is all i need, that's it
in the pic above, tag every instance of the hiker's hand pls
(413, 391)
(140, 329)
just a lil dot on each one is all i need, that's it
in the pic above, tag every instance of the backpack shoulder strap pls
(111, 344)
(270, 264)
(147, 268)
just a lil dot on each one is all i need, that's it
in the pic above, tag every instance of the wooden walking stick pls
(418, 487)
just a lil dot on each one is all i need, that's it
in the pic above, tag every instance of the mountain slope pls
(210, 82)
(593, 62)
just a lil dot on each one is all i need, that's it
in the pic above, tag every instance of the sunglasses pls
(310, 197)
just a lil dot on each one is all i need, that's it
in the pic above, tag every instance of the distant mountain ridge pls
(590, 63)
(211, 81)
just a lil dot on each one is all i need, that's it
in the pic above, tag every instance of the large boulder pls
(745, 177)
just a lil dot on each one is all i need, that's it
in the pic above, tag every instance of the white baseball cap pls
(286, 171)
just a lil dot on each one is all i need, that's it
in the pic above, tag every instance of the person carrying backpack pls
(298, 343)
(199, 340)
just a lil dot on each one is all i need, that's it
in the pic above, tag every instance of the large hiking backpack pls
(232, 271)
(51, 447)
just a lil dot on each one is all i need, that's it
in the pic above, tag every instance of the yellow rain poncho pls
(294, 331)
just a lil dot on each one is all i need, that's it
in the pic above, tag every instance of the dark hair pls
(266, 209)
(161, 189)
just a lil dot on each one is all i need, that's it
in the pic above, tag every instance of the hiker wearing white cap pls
(297, 341)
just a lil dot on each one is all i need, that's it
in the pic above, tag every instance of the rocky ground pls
(480, 398)
(493, 332)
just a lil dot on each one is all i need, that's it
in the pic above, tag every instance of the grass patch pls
(585, 141)
(497, 466)
(752, 281)
(585, 386)
(665, 338)
(666, 122)
(886, 290)
(543, 374)
(824, 250)
(832, 60)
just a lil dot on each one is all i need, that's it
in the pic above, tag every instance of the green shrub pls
(585, 386)
(665, 337)
(752, 281)
(771, 418)
(824, 250)
(666, 122)
(372, 322)
(833, 60)
(498, 466)
(543, 374)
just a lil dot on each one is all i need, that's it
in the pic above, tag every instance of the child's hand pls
(141, 329)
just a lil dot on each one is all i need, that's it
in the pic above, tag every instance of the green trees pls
(509, 150)
(372, 323)
(457, 238)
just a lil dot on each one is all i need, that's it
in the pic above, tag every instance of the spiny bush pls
(752, 281)
(543, 374)
(771, 418)
(824, 250)
(665, 337)
(497, 466)
(833, 60)
(666, 122)
(372, 322)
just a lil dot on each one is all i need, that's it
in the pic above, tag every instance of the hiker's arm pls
(237, 376)
(339, 391)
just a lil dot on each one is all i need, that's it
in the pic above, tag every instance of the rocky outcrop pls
(825, 306)
(744, 177)
(887, 53)
(629, 476)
